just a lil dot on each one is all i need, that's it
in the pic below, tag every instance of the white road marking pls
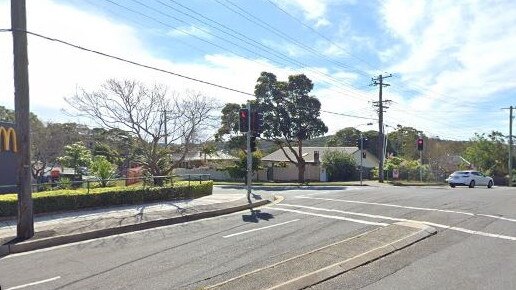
(331, 216)
(348, 189)
(391, 205)
(259, 229)
(346, 212)
(497, 217)
(459, 229)
(34, 283)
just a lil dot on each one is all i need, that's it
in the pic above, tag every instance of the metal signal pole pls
(511, 117)
(510, 146)
(249, 153)
(25, 226)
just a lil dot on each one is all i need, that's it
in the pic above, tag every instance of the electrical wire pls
(335, 82)
(319, 34)
(251, 18)
(137, 63)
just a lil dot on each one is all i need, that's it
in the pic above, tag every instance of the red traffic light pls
(244, 120)
(420, 144)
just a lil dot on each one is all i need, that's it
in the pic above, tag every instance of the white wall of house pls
(290, 173)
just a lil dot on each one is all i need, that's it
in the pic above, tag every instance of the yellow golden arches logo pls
(8, 137)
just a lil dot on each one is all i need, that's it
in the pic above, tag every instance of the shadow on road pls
(256, 216)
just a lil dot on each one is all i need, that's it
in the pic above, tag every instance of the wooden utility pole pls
(25, 226)
(380, 104)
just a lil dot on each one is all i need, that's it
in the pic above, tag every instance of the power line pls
(318, 33)
(348, 115)
(251, 18)
(299, 64)
(137, 63)
(160, 70)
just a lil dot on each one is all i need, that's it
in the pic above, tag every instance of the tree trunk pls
(301, 172)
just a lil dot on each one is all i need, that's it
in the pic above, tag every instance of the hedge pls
(69, 199)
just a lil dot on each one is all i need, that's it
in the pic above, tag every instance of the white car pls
(469, 178)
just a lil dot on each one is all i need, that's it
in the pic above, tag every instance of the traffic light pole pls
(421, 161)
(249, 154)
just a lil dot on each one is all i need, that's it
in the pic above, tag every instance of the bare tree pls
(160, 124)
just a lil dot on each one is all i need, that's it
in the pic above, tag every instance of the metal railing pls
(90, 183)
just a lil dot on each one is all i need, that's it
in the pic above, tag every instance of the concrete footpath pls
(68, 227)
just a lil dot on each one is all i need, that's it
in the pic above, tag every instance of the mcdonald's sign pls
(8, 139)
(8, 157)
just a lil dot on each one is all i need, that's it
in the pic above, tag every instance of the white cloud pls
(313, 10)
(459, 56)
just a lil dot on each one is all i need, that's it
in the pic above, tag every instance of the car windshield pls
(460, 173)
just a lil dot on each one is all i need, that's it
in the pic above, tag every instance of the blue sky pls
(453, 62)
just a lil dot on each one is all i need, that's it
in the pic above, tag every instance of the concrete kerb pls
(67, 239)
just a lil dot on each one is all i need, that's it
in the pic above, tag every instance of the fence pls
(89, 183)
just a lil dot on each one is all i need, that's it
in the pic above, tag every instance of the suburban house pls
(198, 162)
(198, 158)
(280, 168)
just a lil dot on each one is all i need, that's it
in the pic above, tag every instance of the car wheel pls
(490, 184)
(472, 184)
(452, 185)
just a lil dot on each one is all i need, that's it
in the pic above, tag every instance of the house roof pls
(308, 153)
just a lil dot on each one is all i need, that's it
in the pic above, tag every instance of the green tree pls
(339, 165)
(488, 153)
(102, 169)
(239, 170)
(346, 137)
(291, 115)
(403, 142)
(76, 155)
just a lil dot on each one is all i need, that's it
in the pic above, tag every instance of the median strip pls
(329, 261)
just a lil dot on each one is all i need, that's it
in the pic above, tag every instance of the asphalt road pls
(474, 248)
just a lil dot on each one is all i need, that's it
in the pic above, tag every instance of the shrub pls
(65, 199)
(339, 165)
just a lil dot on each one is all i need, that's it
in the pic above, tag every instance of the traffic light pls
(243, 115)
(362, 143)
(420, 144)
(253, 144)
(257, 122)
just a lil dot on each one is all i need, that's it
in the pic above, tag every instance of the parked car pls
(469, 178)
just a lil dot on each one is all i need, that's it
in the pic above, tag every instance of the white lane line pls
(473, 232)
(346, 212)
(497, 217)
(330, 216)
(391, 205)
(349, 189)
(459, 229)
(259, 229)
(34, 283)
(412, 207)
